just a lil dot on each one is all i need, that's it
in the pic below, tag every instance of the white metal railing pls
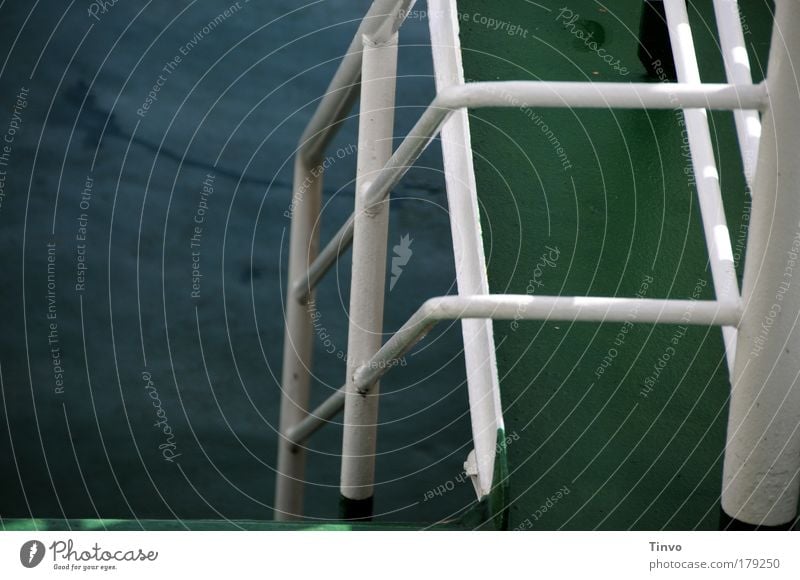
(737, 70)
(709, 193)
(513, 307)
(381, 21)
(761, 456)
(526, 94)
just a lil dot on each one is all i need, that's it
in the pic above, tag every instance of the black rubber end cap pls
(355, 509)
(655, 50)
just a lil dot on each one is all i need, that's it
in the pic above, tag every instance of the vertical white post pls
(737, 70)
(762, 456)
(709, 195)
(365, 333)
(298, 341)
(383, 19)
(462, 200)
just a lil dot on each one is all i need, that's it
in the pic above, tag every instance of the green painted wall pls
(620, 425)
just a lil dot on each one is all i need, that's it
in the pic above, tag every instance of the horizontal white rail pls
(528, 94)
(516, 307)
(331, 407)
(604, 95)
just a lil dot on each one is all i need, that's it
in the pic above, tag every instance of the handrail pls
(383, 19)
(376, 178)
(515, 307)
(527, 94)
(380, 23)
(368, 272)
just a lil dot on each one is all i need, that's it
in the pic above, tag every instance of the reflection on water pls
(144, 225)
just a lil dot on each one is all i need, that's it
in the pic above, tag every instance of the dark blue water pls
(146, 176)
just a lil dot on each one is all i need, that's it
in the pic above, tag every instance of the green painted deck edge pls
(97, 525)
(498, 498)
